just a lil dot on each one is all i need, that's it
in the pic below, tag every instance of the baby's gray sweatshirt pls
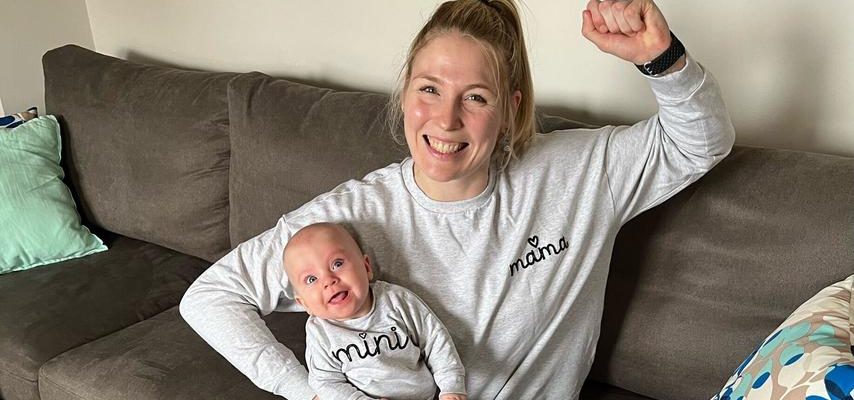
(517, 273)
(397, 351)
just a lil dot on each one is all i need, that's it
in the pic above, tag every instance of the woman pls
(505, 233)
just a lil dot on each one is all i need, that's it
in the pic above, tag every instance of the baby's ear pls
(368, 267)
(299, 301)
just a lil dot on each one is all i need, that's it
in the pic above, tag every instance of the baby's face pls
(329, 274)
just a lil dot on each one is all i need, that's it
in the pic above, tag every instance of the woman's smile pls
(444, 148)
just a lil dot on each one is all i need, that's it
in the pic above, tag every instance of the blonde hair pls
(496, 26)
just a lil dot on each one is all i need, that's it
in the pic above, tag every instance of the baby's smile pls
(339, 298)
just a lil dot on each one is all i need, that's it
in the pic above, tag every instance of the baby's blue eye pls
(310, 279)
(337, 264)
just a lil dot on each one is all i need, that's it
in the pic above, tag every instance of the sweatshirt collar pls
(445, 207)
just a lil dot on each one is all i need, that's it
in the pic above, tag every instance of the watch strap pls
(665, 60)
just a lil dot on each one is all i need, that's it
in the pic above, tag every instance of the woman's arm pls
(650, 161)
(225, 304)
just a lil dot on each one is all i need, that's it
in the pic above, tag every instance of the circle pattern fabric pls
(809, 356)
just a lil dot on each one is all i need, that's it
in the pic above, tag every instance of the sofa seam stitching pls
(7, 372)
(61, 387)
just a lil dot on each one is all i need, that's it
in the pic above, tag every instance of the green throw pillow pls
(39, 223)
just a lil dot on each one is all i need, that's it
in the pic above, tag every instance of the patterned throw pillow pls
(808, 357)
(12, 121)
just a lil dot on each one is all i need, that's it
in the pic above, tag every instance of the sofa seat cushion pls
(146, 147)
(47, 311)
(697, 282)
(159, 358)
(593, 390)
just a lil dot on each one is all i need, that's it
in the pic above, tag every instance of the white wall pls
(785, 67)
(27, 30)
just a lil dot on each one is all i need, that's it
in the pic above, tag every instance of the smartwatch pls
(664, 61)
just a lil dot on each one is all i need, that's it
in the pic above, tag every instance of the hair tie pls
(487, 3)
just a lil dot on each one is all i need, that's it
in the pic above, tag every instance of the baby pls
(366, 340)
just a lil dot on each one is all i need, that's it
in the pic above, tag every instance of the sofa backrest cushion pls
(146, 147)
(698, 282)
(291, 142)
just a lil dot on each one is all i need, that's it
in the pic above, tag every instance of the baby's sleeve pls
(440, 354)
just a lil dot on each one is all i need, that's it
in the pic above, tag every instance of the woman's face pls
(451, 117)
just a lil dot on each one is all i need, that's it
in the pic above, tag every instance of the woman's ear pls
(516, 99)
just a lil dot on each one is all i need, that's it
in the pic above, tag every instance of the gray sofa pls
(172, 168)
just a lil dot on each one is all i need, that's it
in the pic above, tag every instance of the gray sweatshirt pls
(395, 352)
(517, 274)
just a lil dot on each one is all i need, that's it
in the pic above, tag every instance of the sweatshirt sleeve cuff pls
(452, 383)
(293, 385)
(679, 84)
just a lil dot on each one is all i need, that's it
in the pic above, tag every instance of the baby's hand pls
(452, 396)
